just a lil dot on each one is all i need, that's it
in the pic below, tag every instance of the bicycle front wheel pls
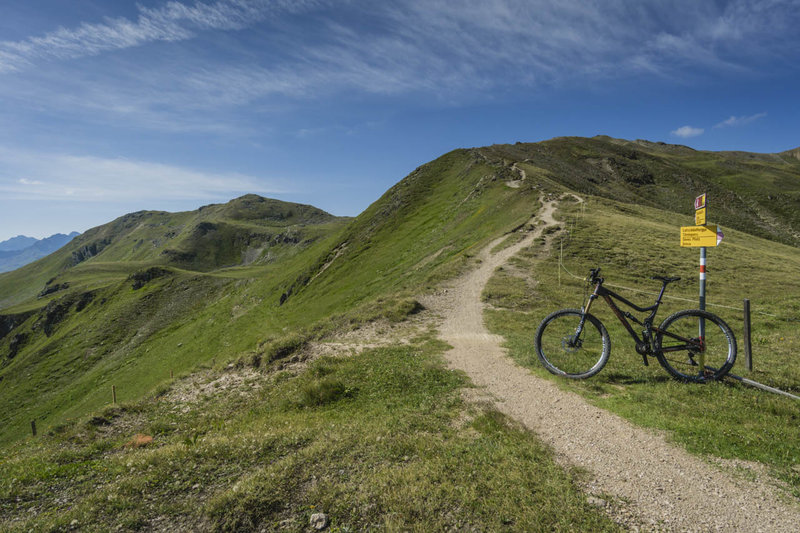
(566, 351)
(687, 356)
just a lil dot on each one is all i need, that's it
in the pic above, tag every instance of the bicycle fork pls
(584, 312)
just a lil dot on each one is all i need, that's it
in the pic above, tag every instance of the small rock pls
(319, 521)
(595, 501)
(289, 523)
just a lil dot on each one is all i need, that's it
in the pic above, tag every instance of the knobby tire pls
(562, 354)
(719, 342)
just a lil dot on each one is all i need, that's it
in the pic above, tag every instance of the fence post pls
(33, 427)
(114, 393)
(748, 347)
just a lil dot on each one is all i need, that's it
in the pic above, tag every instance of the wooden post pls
(114, 393)
(748, 347)
(560, 261)
(33, 427)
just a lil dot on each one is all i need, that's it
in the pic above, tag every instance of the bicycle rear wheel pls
(566, 352)
(679, 348)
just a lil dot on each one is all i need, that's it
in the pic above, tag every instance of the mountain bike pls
(692, 345)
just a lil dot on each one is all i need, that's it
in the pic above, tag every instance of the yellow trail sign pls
(695, 236)
(700, 217)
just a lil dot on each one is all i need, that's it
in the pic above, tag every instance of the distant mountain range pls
(21, 250)
(20, 242)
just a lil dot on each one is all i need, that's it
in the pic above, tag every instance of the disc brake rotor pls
(569, 344)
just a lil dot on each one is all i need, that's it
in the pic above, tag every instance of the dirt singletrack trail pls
(653, 485)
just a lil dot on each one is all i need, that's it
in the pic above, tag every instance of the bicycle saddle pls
(665, 279)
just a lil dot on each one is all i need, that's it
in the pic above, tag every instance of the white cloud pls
(89, 178)
(687, 131)
(739, 121)
(174, 21)
(452, 51)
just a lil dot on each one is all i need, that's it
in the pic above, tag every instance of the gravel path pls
(654, 485)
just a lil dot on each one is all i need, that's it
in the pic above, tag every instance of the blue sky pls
(113, 107)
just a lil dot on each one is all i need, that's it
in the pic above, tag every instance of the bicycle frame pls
(644, 344)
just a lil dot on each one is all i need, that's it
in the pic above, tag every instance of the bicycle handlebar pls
(594, 275)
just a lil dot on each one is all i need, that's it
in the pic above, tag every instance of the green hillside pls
(188, 288)
(126, 308)
(250, 230)
(133, 300)
(251, 282)
(757, 193)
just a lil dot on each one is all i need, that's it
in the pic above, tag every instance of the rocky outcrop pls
(141, 278)
(52, 315)
(204, 228)
(9, 322)
(89, 250)
(16, 343)
(50, 289)
(57, 310)
(84, 300)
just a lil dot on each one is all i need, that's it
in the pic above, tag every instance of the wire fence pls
(675, 298)
(570, 227)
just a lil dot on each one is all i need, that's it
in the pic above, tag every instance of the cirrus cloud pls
(96, 179)
(739, 121)
(174, 21)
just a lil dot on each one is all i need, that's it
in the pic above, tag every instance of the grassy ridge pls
(423, 229)
(756, 193)
(722, 419)
(249, 229)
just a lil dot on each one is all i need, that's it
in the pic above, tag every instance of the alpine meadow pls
(252, 365)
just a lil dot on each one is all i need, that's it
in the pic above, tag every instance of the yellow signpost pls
(699, 236)
(700, 217)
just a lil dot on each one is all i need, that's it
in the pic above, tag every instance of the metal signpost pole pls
(702, 332)
(702, 282)
(700, 219)
(701, 235)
